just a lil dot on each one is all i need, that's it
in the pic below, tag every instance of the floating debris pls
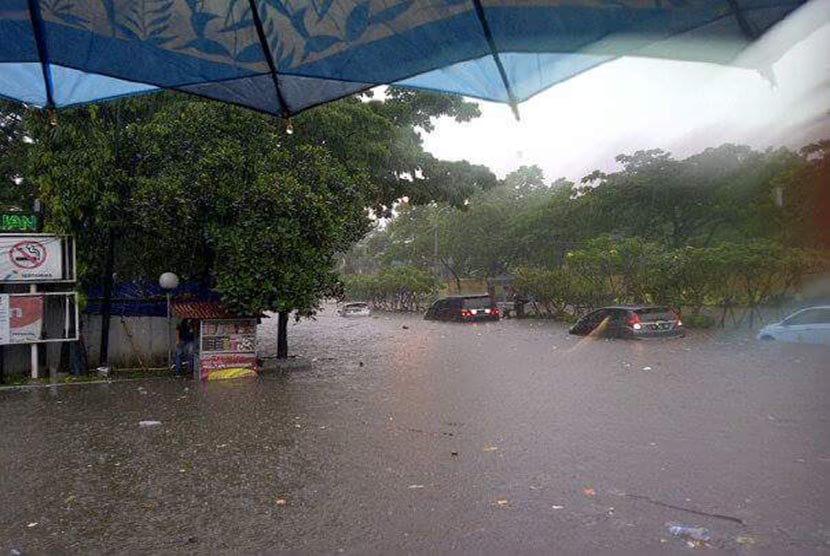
(695, 537)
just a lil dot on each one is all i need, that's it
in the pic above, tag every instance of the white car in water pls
(358, 309)
(807, 326)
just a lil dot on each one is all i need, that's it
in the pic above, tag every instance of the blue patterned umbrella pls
(283, 56)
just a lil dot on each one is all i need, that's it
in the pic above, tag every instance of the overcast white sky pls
(631, 104)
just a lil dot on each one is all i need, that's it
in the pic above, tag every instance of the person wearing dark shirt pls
(185, 345)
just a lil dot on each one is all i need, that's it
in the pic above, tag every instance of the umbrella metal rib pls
(42, 52)
(482, 18)
(743, 23)
(269, 58)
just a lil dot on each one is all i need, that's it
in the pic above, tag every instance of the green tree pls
(224, 195)
(13, 147)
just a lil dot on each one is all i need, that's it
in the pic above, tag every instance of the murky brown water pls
(478, 437)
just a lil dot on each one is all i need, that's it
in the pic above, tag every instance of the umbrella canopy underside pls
(284, 56)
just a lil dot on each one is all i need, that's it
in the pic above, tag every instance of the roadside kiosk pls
(226, 344)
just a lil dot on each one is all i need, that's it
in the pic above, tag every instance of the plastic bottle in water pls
(694, 536)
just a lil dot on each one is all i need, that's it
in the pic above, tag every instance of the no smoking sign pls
(28, 254)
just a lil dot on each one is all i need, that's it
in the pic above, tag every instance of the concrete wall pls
(16, 360)
(135, 342)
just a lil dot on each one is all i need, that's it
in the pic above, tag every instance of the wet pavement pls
(414, 436)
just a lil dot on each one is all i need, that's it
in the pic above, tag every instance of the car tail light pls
(634, 322)
(466, 313)
(495, 312)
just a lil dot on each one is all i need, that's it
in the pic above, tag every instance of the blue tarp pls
(283, 56)
(145, 299)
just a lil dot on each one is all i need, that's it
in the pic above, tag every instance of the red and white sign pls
(5, 328)
(21, 319)
(30, 258)
(214, 363)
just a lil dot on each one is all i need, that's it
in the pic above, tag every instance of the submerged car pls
(464, 308)
(630, 321)
(357, 309)
(807, 326)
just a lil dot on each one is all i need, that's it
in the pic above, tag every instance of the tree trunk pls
(106, 302)
(282, 335)
(109, 264)
(454, 275)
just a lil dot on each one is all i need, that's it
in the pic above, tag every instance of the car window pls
(618, 315)
(804, 317)
(656, 313)
(476, 302)
(596, 317)
(810, 316)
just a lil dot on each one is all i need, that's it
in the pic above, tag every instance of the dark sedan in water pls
(464, 308)
(630, 321)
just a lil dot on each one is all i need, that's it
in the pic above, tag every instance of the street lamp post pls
(169, 282)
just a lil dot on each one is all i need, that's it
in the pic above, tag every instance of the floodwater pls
(417, 436)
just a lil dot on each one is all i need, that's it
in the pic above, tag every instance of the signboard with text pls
(35, 258)
(21, 319)
(227, 349)
(19, 222)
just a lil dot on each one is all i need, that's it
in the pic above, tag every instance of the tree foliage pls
(728, 226)
(226, 196)
(401, 288)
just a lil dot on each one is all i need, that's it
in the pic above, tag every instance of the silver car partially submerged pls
(356, 309)
(807, 326)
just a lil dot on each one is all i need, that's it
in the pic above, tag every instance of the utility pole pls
(435, 260)
(109, 262)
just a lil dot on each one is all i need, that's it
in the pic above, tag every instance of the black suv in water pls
(464, 308)
(630, 321)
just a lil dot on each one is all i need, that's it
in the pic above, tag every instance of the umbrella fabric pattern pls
(284, 56)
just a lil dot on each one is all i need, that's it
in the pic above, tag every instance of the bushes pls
(606, 271)
(747, 275)
(403, 288)
(698, 321)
